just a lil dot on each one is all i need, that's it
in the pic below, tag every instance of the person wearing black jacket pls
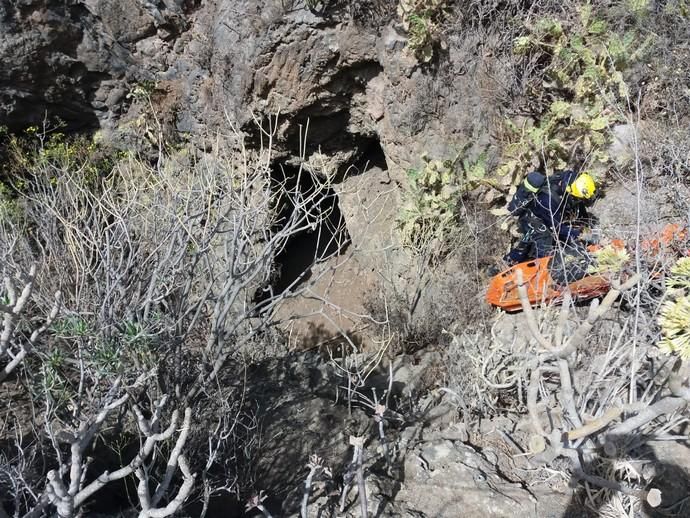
(545, 216)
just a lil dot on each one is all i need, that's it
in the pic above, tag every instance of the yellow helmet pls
(583, 186)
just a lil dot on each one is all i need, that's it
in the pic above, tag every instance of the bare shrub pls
(156, 267)
(589, 402)
(665, 148)
(665, 96)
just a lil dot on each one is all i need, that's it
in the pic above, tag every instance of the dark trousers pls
(537, 241)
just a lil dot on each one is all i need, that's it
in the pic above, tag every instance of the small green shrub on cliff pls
(142, 90)
(43, 152)
(580, 84)
(421, 19)
(40, 152)
(429, 201)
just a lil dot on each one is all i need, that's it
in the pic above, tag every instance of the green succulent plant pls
(609, 259)
(679, 276)
(432, 194)
(674, 317)
(675, 327)
(583, 77)
(72, 326)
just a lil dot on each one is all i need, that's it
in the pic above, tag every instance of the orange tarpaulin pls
(541, 288)
(503, 291)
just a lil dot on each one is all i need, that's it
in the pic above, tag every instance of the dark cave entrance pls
(327, 236)
(372, 156)
(320, 235)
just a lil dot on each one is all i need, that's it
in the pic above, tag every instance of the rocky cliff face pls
(356, 85)
(339, 85)
(74, 60)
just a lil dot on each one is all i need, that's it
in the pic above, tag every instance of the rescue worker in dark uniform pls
(545, 214)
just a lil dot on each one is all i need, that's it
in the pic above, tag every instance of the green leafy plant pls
(421, 19)
(679, 276)
(675, 327)
(638, 7)
(45, 151)
(580, 85)
(432, 195)
(429, 201)
(133, 332)
(679, 8)
(52, 381)
(9, 210)
(609, 259)
(137, 342)
(142, 90)
(72, 326)
(674, 317)
(104, 355)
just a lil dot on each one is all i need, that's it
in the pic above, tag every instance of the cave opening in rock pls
(372, 156)
(322, 235)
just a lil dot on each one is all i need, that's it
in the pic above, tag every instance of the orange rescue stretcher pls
(541, 287)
